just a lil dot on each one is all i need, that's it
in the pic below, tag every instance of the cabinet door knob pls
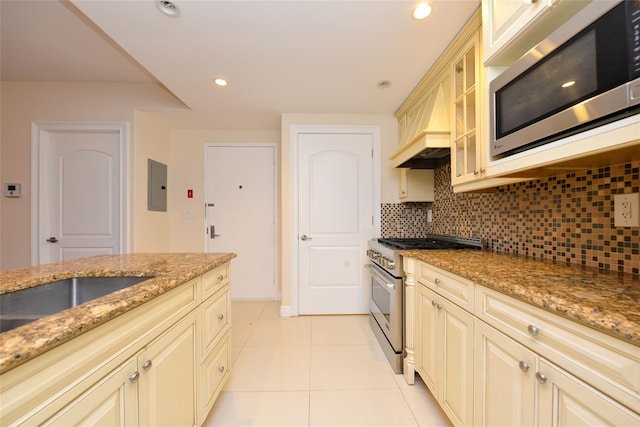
(439, 306)
(147, 365)
(220, 278)
(533, 330)
(437, 280)
(524, 366)
(134, 377)
(221, 368)
(434, 303)
(542, 378)
(220, 316)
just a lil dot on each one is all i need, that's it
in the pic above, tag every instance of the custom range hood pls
(424, 133)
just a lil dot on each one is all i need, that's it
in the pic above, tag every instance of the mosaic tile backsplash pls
(566, 218)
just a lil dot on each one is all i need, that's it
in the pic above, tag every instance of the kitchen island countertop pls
(167, 271)
(606, 301)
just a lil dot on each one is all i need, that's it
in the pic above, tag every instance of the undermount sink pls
(26, 305)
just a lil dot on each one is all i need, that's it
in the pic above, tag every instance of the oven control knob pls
(391, 265)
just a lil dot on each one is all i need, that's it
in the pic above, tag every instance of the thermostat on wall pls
(12, 190)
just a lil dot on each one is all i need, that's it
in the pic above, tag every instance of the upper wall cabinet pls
(512, 27)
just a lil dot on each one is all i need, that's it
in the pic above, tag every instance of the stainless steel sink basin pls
(24, 306)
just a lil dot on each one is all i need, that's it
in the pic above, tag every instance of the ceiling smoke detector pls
(168, 8)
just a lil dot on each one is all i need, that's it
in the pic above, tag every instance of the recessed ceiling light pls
(383, 84)
(220, 81)
(422, 11)
(168, 8)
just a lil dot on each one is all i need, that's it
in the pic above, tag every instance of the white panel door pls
(335, 190)
(240, 199)
(79, 194)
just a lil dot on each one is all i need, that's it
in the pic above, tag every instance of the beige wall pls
(22, 103)
(186, 171)
(388, 175)
(150, 229)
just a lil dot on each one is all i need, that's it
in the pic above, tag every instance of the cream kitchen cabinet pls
(515, 386)
(565, 401)
(149, 366)
(608, 364)
(466, 148)
(416, 185)
(215, 357)
(512, 27)
(111, 402)
(156, 387)
(490, 359)
(444, 350)
(469, 135)
(505, 380)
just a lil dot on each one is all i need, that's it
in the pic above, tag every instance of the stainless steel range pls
(387, 287)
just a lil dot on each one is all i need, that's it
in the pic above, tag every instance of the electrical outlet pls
(626, 210)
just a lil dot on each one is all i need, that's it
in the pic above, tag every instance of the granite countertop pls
(168, 271)
(606, 301)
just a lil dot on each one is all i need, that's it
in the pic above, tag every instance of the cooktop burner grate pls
(430, 243)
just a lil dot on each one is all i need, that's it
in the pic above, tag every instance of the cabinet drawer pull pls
(134, 377)
(220, 278)
(220, 316)
(533, 330)
(437, 280)
(221, 368)
(542, 378)
(524, 366)
(147, 365)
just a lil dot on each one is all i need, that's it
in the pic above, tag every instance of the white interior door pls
(335, 221)
(79, 193)
(240, 205)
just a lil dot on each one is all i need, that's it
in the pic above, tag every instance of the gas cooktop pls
(436, 242)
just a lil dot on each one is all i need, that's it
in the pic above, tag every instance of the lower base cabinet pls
(481, 376)
(505, 380)
(444, 353)
(161, 364)
(564, 401)
(157, 386)
(111, 402)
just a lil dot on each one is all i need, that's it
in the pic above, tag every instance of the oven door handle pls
(379, 278)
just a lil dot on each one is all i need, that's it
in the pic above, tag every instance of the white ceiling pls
(304, 56)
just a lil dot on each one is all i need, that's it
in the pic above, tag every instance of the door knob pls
(305, 237)
(52, 240)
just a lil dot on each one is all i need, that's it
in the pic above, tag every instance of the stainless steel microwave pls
(580, 77)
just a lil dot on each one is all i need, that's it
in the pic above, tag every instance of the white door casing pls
(240, 201)
(335, 190)
(78, 190)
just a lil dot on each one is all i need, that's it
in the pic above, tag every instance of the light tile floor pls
(314, 371)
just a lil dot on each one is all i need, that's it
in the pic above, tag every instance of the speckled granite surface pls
(168, 271)
(608, 302)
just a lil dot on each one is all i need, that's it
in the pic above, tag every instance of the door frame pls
(38, 132)
(276, 198)
(295, 131)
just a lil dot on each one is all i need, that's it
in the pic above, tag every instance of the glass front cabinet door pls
(466, 161)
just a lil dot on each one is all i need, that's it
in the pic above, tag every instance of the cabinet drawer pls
(215, 371)
(607, 363)
(215, 319)
(454, 288)
(214, 280)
